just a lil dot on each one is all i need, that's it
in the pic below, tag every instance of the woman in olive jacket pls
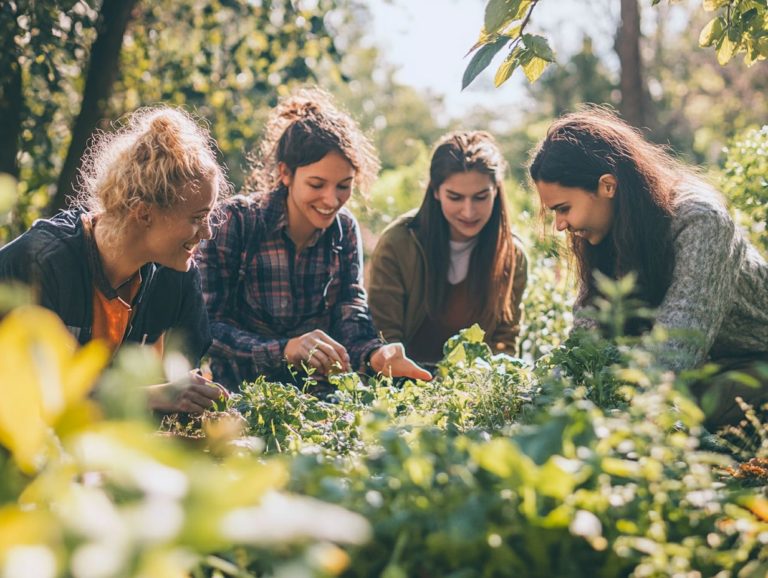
(454, 261)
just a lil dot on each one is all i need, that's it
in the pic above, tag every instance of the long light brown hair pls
(492, 265)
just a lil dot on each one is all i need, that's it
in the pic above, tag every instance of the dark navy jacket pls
(52, 258)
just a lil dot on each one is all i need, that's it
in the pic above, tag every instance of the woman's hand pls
(390, 359)
(319, 350)
(193, 394)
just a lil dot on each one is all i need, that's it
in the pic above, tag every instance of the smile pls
(190, 247)
(325, 212)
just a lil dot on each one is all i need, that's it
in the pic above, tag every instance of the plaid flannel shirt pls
(260, 293)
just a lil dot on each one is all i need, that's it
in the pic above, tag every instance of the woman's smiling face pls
(316, 193)
(581, 212)
(466, 200)
(174, 232)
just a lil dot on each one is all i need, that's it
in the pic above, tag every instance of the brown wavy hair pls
(492, 265)
(581, 147)
(300, 131)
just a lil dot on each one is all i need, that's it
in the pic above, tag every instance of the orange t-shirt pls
(112, 316)
(112, 308)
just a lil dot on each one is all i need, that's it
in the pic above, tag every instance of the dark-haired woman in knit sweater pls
(628, 206)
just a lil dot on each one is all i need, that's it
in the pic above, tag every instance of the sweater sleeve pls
(387, 289)
(707, 263)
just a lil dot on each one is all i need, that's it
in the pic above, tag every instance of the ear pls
(286, 176)
(606, 186)
(143, 214)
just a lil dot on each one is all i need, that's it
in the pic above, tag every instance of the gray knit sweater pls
(717, 303)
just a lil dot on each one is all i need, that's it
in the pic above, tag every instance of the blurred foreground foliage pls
(589, 462)
(582, 457)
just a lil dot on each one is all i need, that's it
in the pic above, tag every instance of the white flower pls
(285, 518)
(586, 524)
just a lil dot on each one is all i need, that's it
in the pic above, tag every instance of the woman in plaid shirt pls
(283, 278)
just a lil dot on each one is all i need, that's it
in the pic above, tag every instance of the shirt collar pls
(100, 279)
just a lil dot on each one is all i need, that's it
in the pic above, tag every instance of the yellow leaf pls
(51, 484)
(621, 468)
(8, 193)
(504, 459)
(419, 470)
(758, 506)
(43, 374)
(534, 68)
(24, 528)
(474, 334)
(711, 32)
(505, 70)
(458, 355)
(726, 50)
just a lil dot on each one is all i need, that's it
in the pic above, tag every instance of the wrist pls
(377, 359)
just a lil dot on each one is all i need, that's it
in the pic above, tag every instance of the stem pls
(528, 16)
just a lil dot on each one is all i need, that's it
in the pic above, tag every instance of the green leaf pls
(712, 32)
(539, 46)
(498, 13)
(482, 59)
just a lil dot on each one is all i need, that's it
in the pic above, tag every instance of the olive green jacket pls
(397, 288)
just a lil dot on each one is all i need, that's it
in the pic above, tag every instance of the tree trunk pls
(11, 99)
(102, 73)
(634, 93)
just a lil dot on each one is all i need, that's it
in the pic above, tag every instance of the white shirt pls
(461, 251)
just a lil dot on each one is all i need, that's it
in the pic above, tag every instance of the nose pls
(467, 209)
(560, 223)
(206, 230)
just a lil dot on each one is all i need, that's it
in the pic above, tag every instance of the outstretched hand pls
(193, 394)
(390, 360)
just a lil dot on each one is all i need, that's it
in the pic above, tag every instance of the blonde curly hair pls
(300, 131)
(152, 157)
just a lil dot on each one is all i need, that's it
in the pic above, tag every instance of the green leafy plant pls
(745, 180)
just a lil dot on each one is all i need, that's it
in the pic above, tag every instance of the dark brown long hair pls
(581, 147)
(492, 265)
